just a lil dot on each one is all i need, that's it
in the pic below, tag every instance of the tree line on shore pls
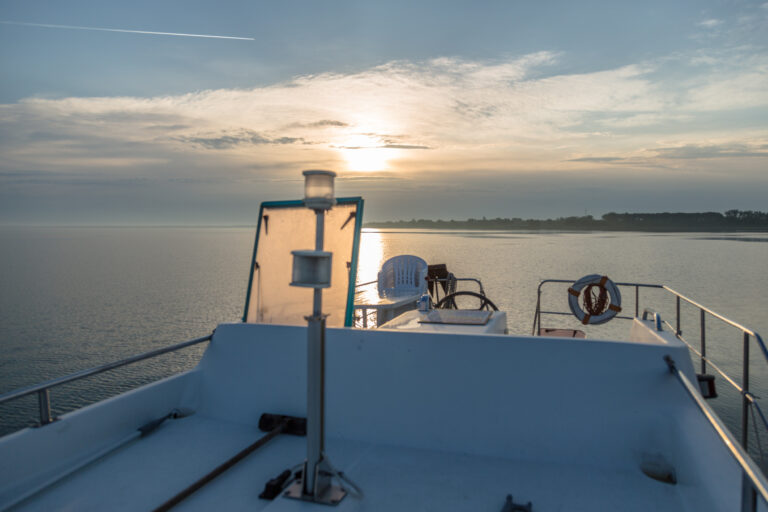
(732, 220)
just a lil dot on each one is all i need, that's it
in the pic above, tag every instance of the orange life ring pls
(599, 309)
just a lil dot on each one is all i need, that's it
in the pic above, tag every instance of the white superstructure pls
(420, 421)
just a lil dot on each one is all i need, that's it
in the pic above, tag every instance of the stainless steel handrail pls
(537, 315)
(720, 317)
(436, 279)
(753, 482)
(656, 318)
(43, 389)
(716, 315)
(364, 318)
(455, 280)
(747, 398)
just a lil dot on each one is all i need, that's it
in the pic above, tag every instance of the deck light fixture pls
(312, 269)
(318, 189)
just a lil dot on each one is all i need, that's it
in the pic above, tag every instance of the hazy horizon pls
(366, 221)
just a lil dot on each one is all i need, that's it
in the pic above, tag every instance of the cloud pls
(596, 159)
(404, 146)
(384, 146)
(710, 23)
(419, 120)
(228, 140)
(714, 151)
(725, 90)
(323, 123)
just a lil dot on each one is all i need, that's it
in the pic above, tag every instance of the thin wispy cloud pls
(125, 31)
(596, 159)
(710, 23)
(498, 113)
(480, 128)
(404, 146)
(230, 139)
(715, 151)
(323, 123)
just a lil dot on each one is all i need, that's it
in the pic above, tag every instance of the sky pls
(433, 109)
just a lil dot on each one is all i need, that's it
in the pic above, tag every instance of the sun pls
(366, 160)
(365, 153)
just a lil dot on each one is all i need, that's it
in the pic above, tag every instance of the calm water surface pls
(72, 298)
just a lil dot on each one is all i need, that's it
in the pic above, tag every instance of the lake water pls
(72, 298)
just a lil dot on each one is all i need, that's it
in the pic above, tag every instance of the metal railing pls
(656, 318)
(43, 389)
(752, 482)
(537, 316)
(437, 280)
(455, 281)
(748, 399)
(368, 317)
(363, 317)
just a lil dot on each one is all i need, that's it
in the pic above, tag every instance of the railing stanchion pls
(748, 494)
(43, 390)
(637, 301)
(745, 396)
(753, 482)
(750, 488)
(703, 342)
(44, 401)
(538, 312)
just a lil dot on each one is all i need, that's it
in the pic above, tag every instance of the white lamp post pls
(312, 269)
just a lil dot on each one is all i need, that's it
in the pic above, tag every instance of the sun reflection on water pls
(369, 262)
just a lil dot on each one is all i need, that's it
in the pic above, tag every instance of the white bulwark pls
(418, 420)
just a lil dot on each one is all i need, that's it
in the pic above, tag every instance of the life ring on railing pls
(602, 300)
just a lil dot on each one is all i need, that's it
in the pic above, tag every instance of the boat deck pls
(420, 421)
(149, 471)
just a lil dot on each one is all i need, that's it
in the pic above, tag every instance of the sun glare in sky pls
(364, 153)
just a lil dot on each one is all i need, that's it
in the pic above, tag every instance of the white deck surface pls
(146, 473)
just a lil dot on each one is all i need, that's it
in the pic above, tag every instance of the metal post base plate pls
(332, 496)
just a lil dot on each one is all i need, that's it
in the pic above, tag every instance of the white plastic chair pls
(403, 275)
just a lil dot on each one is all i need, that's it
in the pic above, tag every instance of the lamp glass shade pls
(318, 189)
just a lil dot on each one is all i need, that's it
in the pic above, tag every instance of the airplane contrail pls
(126, 31)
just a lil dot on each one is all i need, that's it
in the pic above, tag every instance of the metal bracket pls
(511, 506)
(324, 491)
(332, 495)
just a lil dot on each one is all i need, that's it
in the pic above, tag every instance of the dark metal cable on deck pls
(168, 505)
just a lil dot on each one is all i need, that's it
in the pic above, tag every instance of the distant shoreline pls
(730, 221)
